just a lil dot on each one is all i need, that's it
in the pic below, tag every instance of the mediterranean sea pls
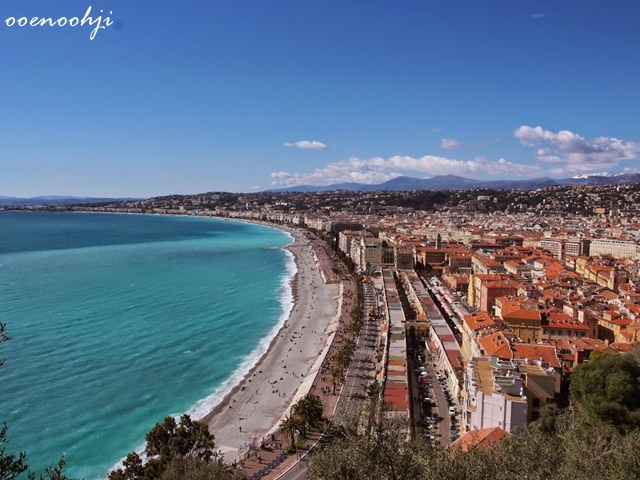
(117, 321)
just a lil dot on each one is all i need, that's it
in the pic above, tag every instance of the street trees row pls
(306, 413)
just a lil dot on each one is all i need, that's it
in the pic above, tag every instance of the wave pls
(206, 405)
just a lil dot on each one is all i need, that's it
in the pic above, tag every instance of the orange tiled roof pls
(495, 344)
(544, 353)
(480, 438)
(562, 320)
(478, 320)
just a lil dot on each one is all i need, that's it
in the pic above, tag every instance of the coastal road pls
(297, 472)
(363, 366)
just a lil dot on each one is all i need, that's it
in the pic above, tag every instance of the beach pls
(253, 409)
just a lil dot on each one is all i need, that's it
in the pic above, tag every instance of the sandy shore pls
(285, 372)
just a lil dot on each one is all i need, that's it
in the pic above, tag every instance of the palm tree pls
(337, 375)
(308, 410)
(301, 412)
(289, 427)
(316, 408)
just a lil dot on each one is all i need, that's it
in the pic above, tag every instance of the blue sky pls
(246, 95)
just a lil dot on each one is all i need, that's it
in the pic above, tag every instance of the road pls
(362, 371)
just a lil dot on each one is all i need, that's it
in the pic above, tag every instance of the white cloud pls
(378, 169)
(574, 153)
(308, 145)
(449, 144)
(435, 130)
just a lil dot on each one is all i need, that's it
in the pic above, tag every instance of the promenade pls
(268, 455)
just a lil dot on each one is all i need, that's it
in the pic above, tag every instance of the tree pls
(316, 408)
(167, 442)
(196, 469)
(607, 388)
(290, 427)
(337, 375)
(374, 390)
(11, 464)
(308, 410)
(575, 449)
(189, 438)
(133, 469)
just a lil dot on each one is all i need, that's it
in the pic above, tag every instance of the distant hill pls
(454, 182)
(56, 200)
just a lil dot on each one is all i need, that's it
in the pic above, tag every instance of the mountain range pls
(454, 182)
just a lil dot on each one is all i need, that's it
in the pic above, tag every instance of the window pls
(535, 403)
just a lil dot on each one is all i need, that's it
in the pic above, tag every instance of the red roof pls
(480, 438)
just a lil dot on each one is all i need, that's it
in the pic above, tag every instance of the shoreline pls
(254, 406)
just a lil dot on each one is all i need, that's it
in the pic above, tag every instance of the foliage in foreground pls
(607, 389)
(184, 450)
(573, 450)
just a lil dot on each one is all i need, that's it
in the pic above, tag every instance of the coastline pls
(254, 407)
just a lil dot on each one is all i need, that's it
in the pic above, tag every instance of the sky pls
(175, 97)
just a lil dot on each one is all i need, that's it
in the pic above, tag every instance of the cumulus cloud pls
(449, 143)
(378, 169)
(308, 145)
(571, 152)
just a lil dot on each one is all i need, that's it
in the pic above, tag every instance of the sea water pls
(117, 321)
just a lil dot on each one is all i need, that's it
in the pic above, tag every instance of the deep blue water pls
(120, 320)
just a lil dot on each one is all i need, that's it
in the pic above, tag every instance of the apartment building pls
(506, 393)
(615, 248)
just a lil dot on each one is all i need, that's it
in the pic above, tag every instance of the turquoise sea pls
(117, 321)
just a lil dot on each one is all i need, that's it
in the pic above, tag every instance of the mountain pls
(454, 182)
(56, 200)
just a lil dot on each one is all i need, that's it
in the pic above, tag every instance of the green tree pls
(607, 388)
(189, 438)
(316, 408)
(308, 410)
(166, 442)
(133, 469)
(196, 469)
(337, 376)
(290, 427)
(575, 450)
(11, 464)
